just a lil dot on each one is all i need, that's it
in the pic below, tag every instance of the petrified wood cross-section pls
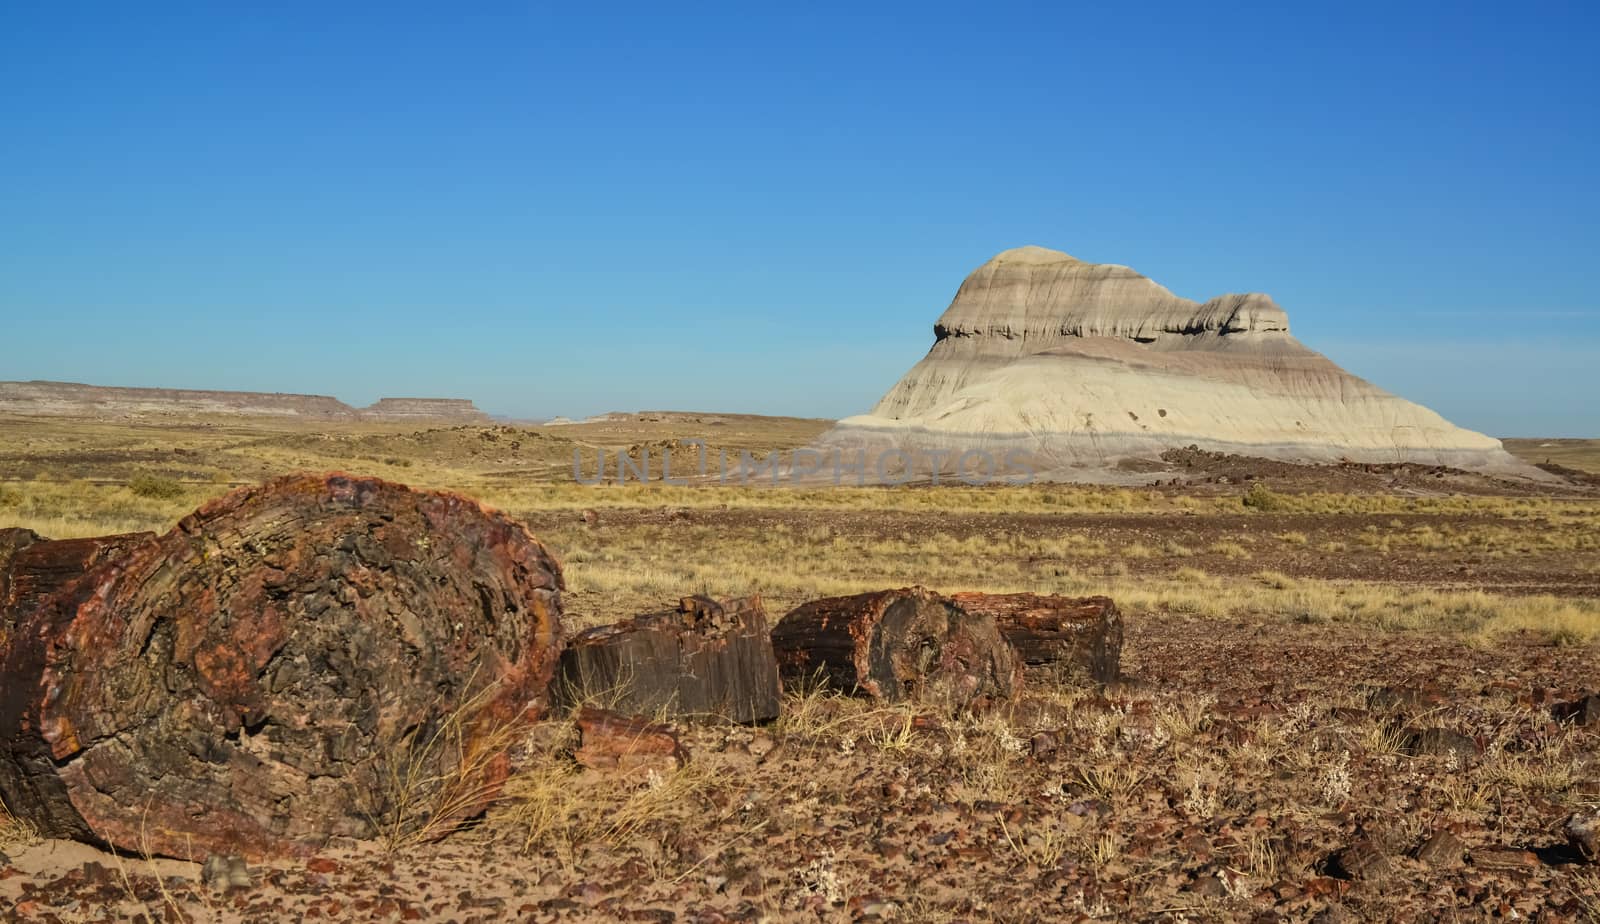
(255, 680)
(909, 644)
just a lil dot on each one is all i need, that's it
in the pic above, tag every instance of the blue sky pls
(753, 208)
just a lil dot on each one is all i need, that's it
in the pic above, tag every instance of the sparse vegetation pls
(1264, 499)
(1263, 623)
(14, 832)
(154, 486)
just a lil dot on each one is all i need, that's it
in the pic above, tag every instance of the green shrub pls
(154, 486)
(1260, 497)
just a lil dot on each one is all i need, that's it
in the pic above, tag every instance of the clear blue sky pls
(748, 208)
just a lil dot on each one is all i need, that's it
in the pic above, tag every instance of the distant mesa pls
(423, 409)
(69, 399)
(1083, 365)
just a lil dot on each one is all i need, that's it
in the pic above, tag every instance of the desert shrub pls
(154, 486)
(1261, 497)
(1230, 549)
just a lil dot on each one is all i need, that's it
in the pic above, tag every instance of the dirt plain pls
(1348, 693)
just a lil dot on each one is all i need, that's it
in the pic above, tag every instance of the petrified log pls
(1081, 635)
(292, 662)
(909, 644)
(33, 568)
(705, 658)
(610, 740)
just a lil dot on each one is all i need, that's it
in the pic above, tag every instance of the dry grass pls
(155, 472)
(617, 572)
(552, 809)
(433, 781)
(15, 833)
(655, 563)
(1110, 781)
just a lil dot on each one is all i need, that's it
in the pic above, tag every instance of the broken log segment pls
(707, 658)
(1078, 635)
(258, 679)
(893, 645)
(610, 740)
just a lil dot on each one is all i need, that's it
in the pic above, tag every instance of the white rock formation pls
(1081, 365)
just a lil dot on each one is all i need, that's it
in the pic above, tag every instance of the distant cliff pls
(69, 399)
(424, 408)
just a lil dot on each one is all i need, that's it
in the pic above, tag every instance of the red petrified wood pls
(909, 644)
(1076, 635)
(610, 740)
(254, 681)
(32, 568)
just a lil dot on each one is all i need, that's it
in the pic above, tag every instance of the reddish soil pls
(1314, 764)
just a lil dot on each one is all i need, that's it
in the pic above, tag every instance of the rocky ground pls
(1288, 756)
(1242, 772)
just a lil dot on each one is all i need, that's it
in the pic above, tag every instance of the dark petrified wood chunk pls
(705, 658)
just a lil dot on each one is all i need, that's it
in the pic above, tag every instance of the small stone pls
(1585, 711)
(1583, 833)
(1439, 742)
(871, 906)
(1405, 698)
(1504, 858)
(1442, 849)
(1362, 860)
(1323, 886)
(221, 873)
(322, 865)
(1209, 885)
(238, 873)
(761, 745)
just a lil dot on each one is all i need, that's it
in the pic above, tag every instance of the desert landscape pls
(1344, 691)
(695, 464)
